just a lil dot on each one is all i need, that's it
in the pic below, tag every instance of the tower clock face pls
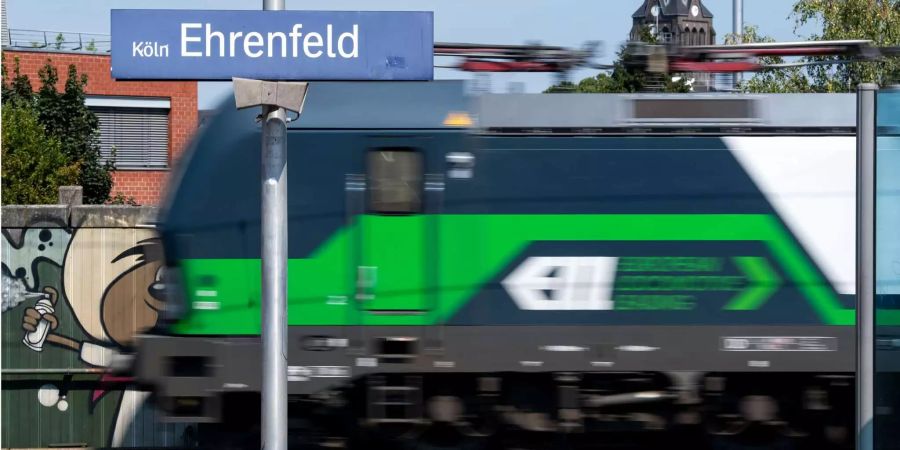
(695, 10)
(654, 10)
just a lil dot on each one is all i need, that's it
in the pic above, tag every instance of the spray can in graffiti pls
(35, 339)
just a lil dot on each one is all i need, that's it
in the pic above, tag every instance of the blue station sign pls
(272, 45)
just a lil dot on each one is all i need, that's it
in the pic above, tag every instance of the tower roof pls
(671, 8)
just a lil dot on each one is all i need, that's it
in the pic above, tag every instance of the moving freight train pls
(524, 271)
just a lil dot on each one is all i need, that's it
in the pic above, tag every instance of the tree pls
(34, 165)
(624, 76)
(875, 20)
(19, 89)
(779, 80)
(64, 117)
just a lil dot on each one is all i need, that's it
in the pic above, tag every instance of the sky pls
(568, 23)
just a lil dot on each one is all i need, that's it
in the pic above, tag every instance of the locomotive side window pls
(395, 181)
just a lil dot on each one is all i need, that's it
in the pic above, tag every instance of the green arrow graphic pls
(762, 283)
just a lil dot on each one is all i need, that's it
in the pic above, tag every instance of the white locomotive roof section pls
(811, 183)
(782, 111)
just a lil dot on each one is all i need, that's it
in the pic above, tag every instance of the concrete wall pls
(144, 185)
(99, 269)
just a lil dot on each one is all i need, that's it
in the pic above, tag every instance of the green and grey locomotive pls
(524, 271)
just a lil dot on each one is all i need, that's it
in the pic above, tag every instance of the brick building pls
(147, 123)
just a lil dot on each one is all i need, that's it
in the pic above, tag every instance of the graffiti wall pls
(78, 284)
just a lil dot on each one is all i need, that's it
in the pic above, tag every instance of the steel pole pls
(274, 279)
(273, 5)
(738, 30)
(865, 264)
(274, 272)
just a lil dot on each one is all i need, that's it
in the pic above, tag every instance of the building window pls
(395, 181)
(133, 131)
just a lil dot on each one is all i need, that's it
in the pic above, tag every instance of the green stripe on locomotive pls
(471, 251)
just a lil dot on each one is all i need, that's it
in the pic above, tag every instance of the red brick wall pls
(144, 185)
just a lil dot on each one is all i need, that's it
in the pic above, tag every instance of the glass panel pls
(395, 181)
(887, 273)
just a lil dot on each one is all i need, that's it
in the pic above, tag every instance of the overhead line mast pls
(706, 58)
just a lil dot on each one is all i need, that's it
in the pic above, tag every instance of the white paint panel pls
(811, 183)
(128, 102)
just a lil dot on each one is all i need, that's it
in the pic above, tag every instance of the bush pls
(65, 118)
(34, 165)
(122, 199)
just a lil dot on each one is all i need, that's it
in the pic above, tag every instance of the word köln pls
(147, 49)
(201, 40)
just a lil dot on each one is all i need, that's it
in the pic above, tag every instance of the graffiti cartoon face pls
(113, 282)
(132, 302)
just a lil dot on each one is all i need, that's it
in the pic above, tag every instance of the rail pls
(52, 40)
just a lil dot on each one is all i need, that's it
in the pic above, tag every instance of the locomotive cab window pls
(395, 180)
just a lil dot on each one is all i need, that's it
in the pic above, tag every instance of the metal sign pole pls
(865, 264)
(274, 272)
(274, 279)
(738, 29)
(275, 97)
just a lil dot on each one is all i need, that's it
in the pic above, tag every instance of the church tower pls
(683, 22)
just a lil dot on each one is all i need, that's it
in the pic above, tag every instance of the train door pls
(394, 205)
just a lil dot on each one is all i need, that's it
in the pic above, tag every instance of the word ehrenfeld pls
(254, 45)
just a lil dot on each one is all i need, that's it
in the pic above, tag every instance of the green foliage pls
(122, 199)
(65, 118)
(60, 40)
(91, 46)
(34, 165)
(780, 80)
(875, 20)
(624, 76)
(19, 89)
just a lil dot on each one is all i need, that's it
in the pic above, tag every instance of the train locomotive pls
(523, 271)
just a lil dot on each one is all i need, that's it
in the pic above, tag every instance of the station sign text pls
(272, 45)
